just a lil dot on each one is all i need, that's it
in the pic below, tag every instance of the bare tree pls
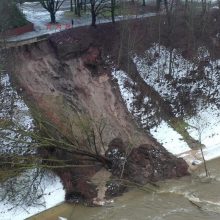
(113, 5)
(77, 7)
(71, 5)
(204, 6)
(52, 6)
(86, 139)
(96, 8)
(200, 125)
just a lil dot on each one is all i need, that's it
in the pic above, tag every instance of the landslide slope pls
(69, 75)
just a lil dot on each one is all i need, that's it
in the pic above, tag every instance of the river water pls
(192, 197)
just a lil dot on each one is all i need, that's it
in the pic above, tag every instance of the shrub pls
(10, 16)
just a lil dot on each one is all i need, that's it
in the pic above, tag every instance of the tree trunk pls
(84, 5)
(75, 4)
(93, 18)
(186, 4)
(78, 8)
(186, 7)
(203, 6)
(113, 10)
(144, 3)
(158, 5)
(52, 17)
(167, 13)
(170, 61)
(71, 5)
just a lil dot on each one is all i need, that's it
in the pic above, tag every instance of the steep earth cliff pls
(68, 79)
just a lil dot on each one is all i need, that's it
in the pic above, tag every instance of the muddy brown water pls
(192, 197)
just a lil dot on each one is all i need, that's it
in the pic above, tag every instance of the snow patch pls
(52, 194)
(15, 110)
(169, 138)
(126, 92)
(154, 68)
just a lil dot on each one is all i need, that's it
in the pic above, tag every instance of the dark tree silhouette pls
(97, 7)
(52, 6)
(113, 5)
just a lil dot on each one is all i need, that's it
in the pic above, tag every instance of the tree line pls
(96, 7)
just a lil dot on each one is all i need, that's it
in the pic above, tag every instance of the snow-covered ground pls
(126, 92)
(153, 67)
(169, 138)
(205, 125)
(14, 109)
(49, 193)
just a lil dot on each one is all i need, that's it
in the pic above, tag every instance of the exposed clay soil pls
(80, 84)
